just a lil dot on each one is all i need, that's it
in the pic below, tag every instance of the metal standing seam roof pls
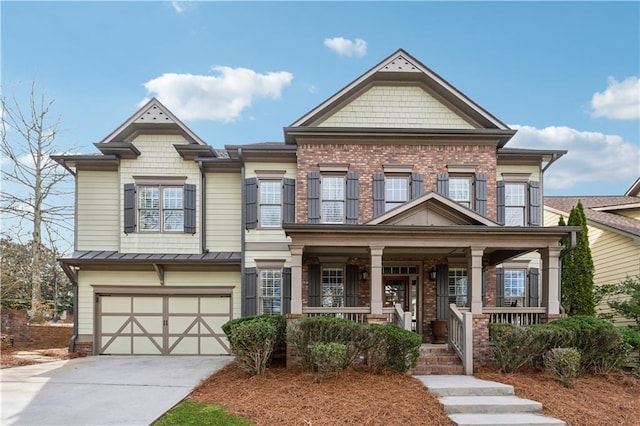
(625, 224)
(114, 256)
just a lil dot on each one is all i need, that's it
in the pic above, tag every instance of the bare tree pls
(32, 181)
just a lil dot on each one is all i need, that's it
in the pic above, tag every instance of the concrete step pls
(461, 385)
(489, 405)
(438, 369)
(526, 419)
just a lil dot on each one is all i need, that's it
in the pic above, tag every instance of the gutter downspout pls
(203, 208)
(73, 277)
(243, 197)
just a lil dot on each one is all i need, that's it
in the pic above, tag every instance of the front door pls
(396, 290)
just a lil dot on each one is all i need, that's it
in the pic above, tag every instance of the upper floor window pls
(396, 191)
(514, 204)
(270, 203)
(333, 199)
(270, 292)
(162, 207)
(460, 190)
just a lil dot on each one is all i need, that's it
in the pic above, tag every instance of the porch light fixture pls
(365, 274)
(432, 274)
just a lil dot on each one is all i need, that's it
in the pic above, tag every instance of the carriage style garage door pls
(162, 325)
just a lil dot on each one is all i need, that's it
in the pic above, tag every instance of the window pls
(514, 204)
(270, 203)
(270, 292)
(396, 191)
(160, 208)
(514, 286)
(460, 190)
(332, 287)
(457, 283)
(333, 199)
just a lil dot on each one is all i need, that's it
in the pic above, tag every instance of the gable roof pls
(634, 190)
(439, 203)
(401, 66)
(597, 209)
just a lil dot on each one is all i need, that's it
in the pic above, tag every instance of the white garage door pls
(163, 325)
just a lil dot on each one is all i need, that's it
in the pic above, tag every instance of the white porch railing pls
(357, 314)
(515, 316)
(460, 329)
(401, 318)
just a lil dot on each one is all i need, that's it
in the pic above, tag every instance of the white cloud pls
(620, 101)
(592, 157)
(346, 47)
(179, 6)
(221, 97)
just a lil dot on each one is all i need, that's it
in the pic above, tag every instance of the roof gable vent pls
(154, 115)
(399, 64)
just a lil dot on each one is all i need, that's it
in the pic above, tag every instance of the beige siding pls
(159, 158)
(399, 107)
(253, 255)
(507, 168)
(88, 279)
(633, 213)
(223, 212)
(615, 257)
(97, 226)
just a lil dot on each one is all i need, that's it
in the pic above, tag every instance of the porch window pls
(514, 204)
(270, 203)
(460, 190)
(270, 292)
(457, 283)
(332, 287)
(396, 191)
(333, 199)
(514, 286)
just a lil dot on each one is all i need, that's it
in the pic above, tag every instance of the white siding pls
(224, 228)
(97, 224)
(396, 107)
(159, 158)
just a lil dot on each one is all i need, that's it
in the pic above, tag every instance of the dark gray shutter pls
(484, 291)
(351, 288)
(249, 288)
(352, 197)
(313, 272)
(286, 290)
(288, 200)
(442, 186)
(442, 291)
(533, 286)
(313, 197)
(251, 203)
(499, 287)
(189, 208)
(534, 203)
(500, 201)
(417, 185)
(129, 208)
(481, 194)
(378, 194)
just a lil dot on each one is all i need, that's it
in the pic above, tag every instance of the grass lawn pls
(199, 414)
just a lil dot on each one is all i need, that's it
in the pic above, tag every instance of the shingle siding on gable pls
(396, 107)
(159, 158)
(427, 160)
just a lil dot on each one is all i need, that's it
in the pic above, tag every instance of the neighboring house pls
(613, 223)
(395, 200)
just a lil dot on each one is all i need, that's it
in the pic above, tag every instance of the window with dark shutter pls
(378, 194)
(442, 184)
(499, 287)
(289, 201)
(352, 198)
(313, 197)
(351, 287)
(417, 185)
(500, 202)
(481, 194)
(251, 203)
(129, 208)
(286, 290)
(189, 208)
(315, 299)
(442, 291)
(249, 285)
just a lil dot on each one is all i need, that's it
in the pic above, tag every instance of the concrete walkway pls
(101, 390)
(471, 401)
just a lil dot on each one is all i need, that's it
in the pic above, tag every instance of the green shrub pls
(563, 364)
(279, 321)
(252, 343)
(304, 333)
(393, 347)
(329, 358)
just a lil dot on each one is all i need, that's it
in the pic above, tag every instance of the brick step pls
(438, 359)
(438, 369)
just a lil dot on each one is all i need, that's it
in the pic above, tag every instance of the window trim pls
(343, 177)
(260, 203)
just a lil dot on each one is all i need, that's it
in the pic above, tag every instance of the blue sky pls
(565, 74)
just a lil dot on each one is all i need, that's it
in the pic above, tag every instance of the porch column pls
(376, 280)
(296, 279)
(474, 278)
(551, 279)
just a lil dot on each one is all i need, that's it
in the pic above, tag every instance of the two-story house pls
(395, 200)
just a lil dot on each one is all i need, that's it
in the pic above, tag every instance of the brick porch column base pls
(293, 358)
(545, 318)
(376, 319)
(482, 354)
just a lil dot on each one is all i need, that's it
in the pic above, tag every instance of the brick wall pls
(25, 335)
(429, 160)
(482, 355)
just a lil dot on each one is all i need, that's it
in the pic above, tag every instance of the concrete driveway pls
(101, 390)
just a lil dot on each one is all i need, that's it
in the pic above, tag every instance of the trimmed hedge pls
(563, 364)
(278, 321)
(394, 348)
(329, 358)
(252, 343)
